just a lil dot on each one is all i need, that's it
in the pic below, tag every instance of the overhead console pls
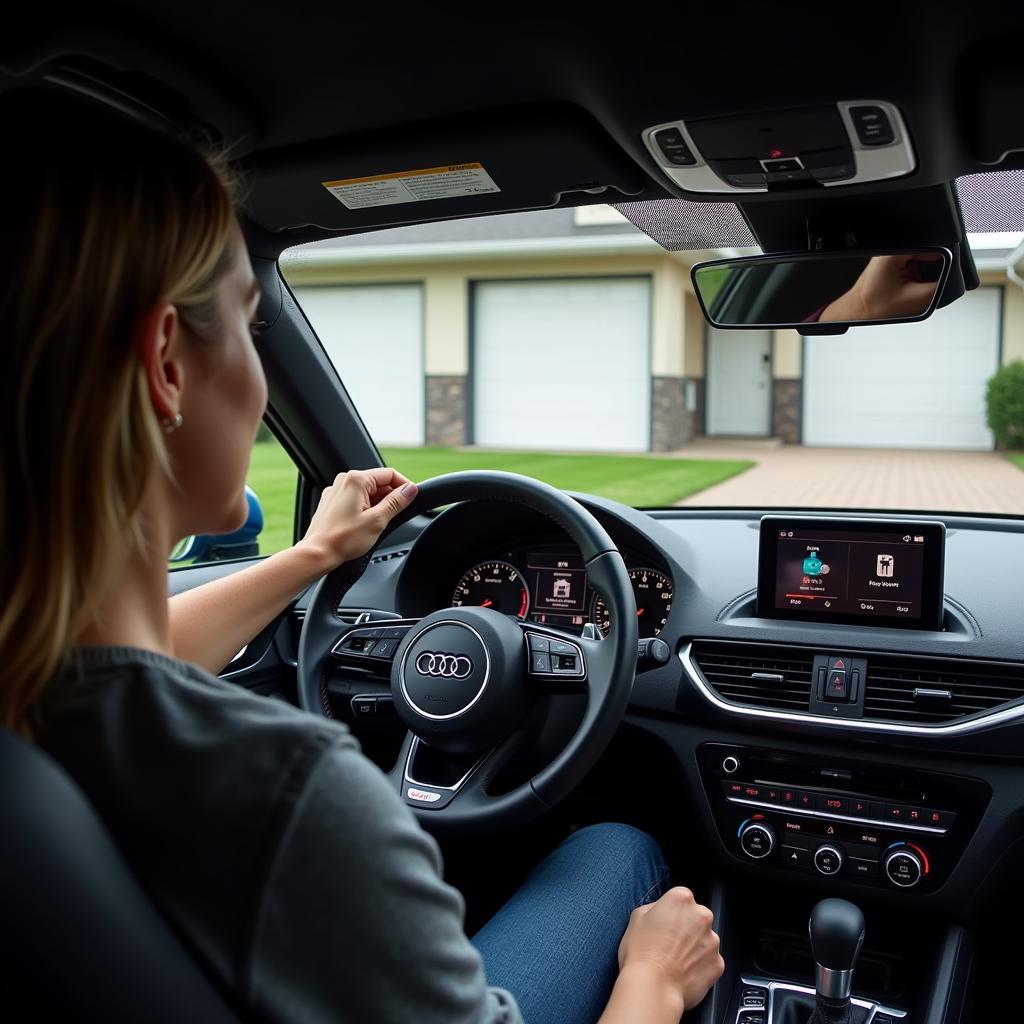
(847, 143)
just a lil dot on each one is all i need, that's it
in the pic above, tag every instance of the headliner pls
(545, 103)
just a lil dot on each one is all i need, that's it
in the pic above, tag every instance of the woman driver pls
(129, 402)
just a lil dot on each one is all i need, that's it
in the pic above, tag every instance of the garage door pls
(562, 364)
(906, 386)
(373, 335)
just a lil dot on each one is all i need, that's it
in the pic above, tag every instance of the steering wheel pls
(463, 680)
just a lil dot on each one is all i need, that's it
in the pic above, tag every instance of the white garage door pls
(906, 386)
(562, 364)
(373, 335)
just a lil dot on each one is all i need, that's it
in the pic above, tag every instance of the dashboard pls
(896, 744)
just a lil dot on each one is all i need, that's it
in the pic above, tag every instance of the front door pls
(739, 383)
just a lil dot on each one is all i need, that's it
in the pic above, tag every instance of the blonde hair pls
(105, 218)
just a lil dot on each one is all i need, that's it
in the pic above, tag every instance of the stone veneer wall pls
(447, 415)
(672, 424)
(786, 419)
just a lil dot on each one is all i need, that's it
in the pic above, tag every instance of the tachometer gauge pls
(497, 585)
(653, 593)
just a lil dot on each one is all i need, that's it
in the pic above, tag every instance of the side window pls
(271, 488)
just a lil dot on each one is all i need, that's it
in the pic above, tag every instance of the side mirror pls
(241, 543)
(822, 293)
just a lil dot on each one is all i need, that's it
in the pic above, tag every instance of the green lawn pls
(1018, 459)
(633, 479)
(273, 476)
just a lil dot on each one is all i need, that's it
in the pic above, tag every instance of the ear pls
(158, 348)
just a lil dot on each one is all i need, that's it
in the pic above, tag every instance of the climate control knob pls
(903, 867)
(757, 839)
(828, 859)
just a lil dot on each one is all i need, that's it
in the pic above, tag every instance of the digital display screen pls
(561, 592)
(888, 572)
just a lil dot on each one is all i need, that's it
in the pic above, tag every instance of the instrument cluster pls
(549, 586)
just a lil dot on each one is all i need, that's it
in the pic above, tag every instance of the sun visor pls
(517, 159)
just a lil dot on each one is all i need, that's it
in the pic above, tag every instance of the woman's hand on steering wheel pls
(353, 512)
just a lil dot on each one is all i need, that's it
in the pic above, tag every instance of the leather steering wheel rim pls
(610, 663)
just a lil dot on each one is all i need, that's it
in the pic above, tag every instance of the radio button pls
(863, 867)
(796, 857)
(864, 809)
(938, 819)
(833, 804)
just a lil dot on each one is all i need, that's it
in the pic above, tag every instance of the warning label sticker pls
(412, 186)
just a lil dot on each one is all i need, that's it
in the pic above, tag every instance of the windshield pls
(569, 345)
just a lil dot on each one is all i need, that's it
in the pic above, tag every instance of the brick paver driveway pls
(934, 481)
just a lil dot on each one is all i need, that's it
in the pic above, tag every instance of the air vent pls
(389, 556)
(295, 621)
(921, 691)
(757, 675)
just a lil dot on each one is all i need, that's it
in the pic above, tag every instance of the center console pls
(838, 819)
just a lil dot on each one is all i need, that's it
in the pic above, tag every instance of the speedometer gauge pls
(653, 593)
(497, 585)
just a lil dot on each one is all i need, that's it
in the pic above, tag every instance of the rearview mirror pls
(822, 293)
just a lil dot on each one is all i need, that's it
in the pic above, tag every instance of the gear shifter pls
(837, 931)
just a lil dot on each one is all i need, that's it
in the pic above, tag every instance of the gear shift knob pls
(837, 931)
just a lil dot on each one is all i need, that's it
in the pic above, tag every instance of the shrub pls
(1004, 403)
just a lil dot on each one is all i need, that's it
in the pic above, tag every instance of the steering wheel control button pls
(828, 860)
(540, 662)
(756, 840)
(730, 765)
(363, 706)
(384, 648)
(564, 659)
(903, 867)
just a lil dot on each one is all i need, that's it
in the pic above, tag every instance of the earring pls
(171, 424)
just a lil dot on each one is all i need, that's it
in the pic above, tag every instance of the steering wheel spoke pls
(429, 780)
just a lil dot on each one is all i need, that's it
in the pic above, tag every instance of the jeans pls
(554, 945)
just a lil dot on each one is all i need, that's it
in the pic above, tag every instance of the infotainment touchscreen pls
(883, 572)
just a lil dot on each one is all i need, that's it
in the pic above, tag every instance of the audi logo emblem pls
(443, 665)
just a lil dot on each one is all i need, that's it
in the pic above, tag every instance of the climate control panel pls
(848, 821)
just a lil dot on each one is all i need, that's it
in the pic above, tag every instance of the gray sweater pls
(274, 847)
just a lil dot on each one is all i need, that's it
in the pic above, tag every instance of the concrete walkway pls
(790, 475)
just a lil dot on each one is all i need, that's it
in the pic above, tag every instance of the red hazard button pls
(836, 687)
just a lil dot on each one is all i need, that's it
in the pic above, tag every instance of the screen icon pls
(812, 564)
(884, 565)
(919, 539)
